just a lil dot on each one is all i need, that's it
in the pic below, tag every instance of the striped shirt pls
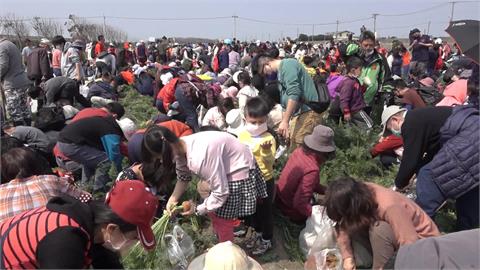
(21, 235)
(20, 195)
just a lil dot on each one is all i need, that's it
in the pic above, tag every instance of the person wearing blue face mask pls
(441, 146)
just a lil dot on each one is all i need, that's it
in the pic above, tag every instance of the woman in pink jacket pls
(373, 222)
(227, 165)
(455, 93)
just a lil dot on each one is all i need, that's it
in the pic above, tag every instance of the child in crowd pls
(215, 116)
(262, 145)
(351, 96)
(308, 63)
(246, 90)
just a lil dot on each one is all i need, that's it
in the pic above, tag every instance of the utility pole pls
(104, 26)
(298, 34)
(313, 31)
(453, 9)
(336, 32)
(428, 28)
(235, 17)
(375, 23)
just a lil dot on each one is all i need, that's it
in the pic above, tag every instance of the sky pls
(257, 19)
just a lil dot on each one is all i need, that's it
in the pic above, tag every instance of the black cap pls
(414, 30)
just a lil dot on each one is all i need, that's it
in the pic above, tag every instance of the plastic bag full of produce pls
(318, 233)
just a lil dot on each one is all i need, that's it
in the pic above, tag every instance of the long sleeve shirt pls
(296, 84)
(388, 144)
(299, 179)
(408, 221)
(233, 59)
(421, 140)
(12, 71)
(351, 97)
(217, 157)
(265, 157)
(102, 133)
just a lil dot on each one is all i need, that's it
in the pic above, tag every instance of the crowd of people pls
(227, 112)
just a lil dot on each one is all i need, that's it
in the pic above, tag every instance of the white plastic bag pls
(83, 89)
(180, 248)
(328, 259)
(318, 233)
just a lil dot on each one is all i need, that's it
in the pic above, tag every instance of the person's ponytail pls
(156, 145)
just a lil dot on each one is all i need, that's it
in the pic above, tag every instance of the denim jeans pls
(467, 210)
(95, 163)
(429, 196)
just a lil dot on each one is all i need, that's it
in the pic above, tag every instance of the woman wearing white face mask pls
(224, 163)
(69, 234)
(262, 144)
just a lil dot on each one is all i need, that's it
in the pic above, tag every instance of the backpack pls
(215, 64)
(323, 95)
(92, 52)
(50, 118)
(429, 94)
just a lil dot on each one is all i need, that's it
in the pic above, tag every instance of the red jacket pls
(99, 47)
(388, 144)
(299, 179)
(167, 93)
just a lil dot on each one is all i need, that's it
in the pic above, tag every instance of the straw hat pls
(225, 256)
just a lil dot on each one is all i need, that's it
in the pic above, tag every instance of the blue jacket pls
(102, 89)
(455, 168)
(223, 59)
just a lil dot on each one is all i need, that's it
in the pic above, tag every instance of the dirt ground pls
(277, 258)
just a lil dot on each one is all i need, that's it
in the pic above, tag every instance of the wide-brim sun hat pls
(235, 76)
(321, 139)
(128, 127)
(224, 256)
(388, 113)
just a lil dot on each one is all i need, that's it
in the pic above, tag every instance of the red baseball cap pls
(133, 202)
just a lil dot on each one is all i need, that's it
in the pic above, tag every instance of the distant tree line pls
(321, 37)
(20, 28)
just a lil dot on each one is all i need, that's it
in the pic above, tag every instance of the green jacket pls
(296, 84)
(373, 74)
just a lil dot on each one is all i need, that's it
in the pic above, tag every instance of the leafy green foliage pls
(353, 157)
(137, 107)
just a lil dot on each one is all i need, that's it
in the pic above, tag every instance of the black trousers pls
(263, 217)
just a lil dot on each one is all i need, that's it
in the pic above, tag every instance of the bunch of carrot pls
(159, 228)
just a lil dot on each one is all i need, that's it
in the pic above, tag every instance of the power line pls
(414, 12)
(170, 19)
(303, 24)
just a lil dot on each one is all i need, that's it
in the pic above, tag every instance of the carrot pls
(186, 206)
